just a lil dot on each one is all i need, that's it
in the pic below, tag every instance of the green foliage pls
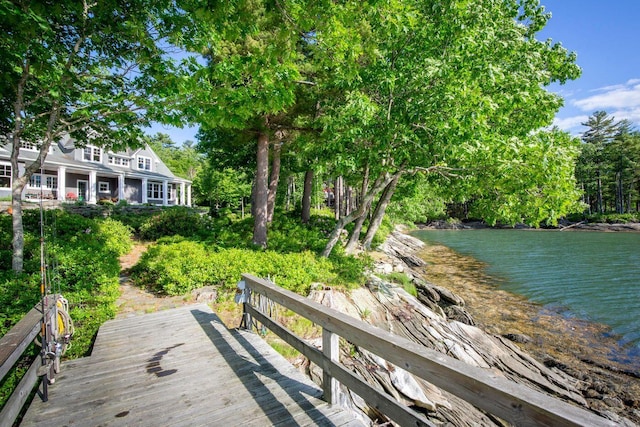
(386, 227)
(524, 180)
(184, 161)
(222, 188)
(614, 218)
(179, 266)
(418, 199)
(608, 168)
(116, 235)
(179, 220)
(288, 234)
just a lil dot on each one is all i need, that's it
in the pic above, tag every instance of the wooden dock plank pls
(182, 367)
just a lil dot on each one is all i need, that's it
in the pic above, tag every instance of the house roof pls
(62, 153)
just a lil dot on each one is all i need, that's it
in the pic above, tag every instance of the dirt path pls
(134, 300)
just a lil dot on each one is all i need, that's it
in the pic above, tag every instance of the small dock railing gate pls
(505, 399)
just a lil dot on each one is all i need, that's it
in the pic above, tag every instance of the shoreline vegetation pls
(562, 226)
(584, 350)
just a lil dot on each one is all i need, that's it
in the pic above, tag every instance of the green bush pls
(178, 267)
(177, 220)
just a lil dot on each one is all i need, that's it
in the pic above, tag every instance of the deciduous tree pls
(77, 68)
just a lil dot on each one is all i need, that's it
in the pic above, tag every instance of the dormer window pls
(118, 161)
(29, 146)
(92, 154)
(144, 163)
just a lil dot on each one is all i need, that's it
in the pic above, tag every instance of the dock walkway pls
(182, 367)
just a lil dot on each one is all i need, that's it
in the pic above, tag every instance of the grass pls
(402, 280)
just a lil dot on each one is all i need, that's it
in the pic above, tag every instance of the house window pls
(5, 176)
(51, 182)
(118, 161)
(144, 163)
(35, 181)
(103, 187)
(154, 190)
(92, 154)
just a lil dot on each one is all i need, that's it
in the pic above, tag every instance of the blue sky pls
(606, 38)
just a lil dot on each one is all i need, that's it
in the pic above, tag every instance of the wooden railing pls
(12, 345)
(505, 399)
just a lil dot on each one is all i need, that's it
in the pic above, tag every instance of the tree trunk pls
(17, 259)
(273, 181)
(19, 182)
(261, 190)
(306, 196)
(378, 213)
(290, 191)
(355, 234)
(379, 184)
(337, 197)
(599, 195)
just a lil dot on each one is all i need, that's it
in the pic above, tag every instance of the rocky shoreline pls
(579, 349)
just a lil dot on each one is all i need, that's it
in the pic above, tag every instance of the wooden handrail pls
(497, 395)
(12, 345)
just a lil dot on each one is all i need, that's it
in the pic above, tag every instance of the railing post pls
(243, 295)
(331, 350)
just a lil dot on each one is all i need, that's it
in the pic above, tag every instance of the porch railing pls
(505, 399)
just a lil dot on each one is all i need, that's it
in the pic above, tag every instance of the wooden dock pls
(182, 367)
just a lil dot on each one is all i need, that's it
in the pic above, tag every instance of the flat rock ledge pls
(437, 319)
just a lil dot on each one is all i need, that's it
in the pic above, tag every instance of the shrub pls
(179, 266)
(117, 236)
(177, 220)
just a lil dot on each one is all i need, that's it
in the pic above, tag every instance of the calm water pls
(590, 275)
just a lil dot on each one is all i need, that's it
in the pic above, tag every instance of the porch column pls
(165, 192)
(144, 191)
(62, 183)
(120, 187)
(93, 190)
(189, 195)
(182, 195)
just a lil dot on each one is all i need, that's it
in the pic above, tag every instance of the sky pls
(606, 39)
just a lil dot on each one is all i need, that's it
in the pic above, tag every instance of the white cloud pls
(570, 123)
(631, 114)
(622, 97)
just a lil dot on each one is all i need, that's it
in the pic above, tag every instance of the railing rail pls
(12, 345)
(513, 402)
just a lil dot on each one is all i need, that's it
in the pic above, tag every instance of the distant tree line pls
(608, 168)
